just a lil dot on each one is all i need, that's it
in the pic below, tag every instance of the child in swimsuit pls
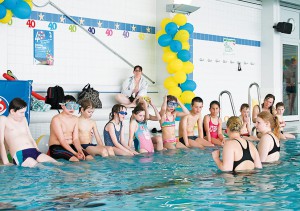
(168, 115)
(246, 127)
(280, 110)
(138, 131)
(156, 139)
(269, 145)
(87, 128)
(114, 133)
(64, 142)
(213, 125)
(15, 133)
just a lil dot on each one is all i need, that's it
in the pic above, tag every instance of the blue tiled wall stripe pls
(218, 38)
(50, 17)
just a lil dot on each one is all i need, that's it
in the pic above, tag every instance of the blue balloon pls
(171, 28)
(164, 40)
(2, 11)
(189, 27)
(184, 55)
(22, 10)
(188, 85)
(175, 46)
(178, 109)
(188, 106)
(10, 4)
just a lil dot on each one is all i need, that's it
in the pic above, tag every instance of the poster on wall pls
(43, 47)
(229, 46)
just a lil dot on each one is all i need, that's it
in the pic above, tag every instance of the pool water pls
(181, 180)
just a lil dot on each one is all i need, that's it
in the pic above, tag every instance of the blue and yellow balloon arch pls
(174, 39)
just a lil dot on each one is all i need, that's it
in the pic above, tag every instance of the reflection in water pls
(7, 206)
(93, 198)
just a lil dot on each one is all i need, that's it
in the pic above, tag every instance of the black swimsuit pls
(275, 147)
(246, 155)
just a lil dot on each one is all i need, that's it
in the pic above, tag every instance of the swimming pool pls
(183, 180)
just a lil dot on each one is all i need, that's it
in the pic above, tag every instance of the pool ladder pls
(231, 102)
(250, 98)
(250, 103)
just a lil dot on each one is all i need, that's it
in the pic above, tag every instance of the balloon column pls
(174, 37)
(19, 8)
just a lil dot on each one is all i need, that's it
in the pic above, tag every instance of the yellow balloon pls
(185, 45)
(187, 96)
(180, 19)
(180, 77)
(187, 67)
(174, 66)
(7, 17)
(175, 91)
(166, 49)
(169, 56)
(182, 35)
(164, 22)
(159, 33)
(170, 82)
(29, 2)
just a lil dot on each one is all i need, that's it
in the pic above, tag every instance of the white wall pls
(79, 58)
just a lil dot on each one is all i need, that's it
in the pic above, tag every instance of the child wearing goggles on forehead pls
(114, 133)
(139, 133)
(167, 122)
(64, 142)
(86, 126)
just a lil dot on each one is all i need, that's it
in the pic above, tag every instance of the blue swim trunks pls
(84, 146)
(22, 155)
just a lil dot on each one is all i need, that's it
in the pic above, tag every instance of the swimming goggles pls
(71, 105)
(123, 113)
(172, 104)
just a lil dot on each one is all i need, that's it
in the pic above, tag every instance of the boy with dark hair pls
(246, 124)
(64, 142)
(14, 131)
(187, 124)
(279, 111)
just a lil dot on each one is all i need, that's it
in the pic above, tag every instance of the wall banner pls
(43, 47)
(229, 46)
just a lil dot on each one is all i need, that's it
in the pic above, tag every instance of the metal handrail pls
(92, 35)
(231, 101)
(250, 98)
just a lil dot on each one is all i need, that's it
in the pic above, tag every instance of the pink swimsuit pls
(213, 129)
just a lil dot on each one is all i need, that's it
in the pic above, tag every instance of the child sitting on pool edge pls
(213, 125)
(64, 142)
(86, 126)
(280, 110)
(14, 131)
(113, 132)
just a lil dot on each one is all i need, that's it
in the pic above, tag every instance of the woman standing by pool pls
(268, 146)
(238, 153)
(168, 115)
